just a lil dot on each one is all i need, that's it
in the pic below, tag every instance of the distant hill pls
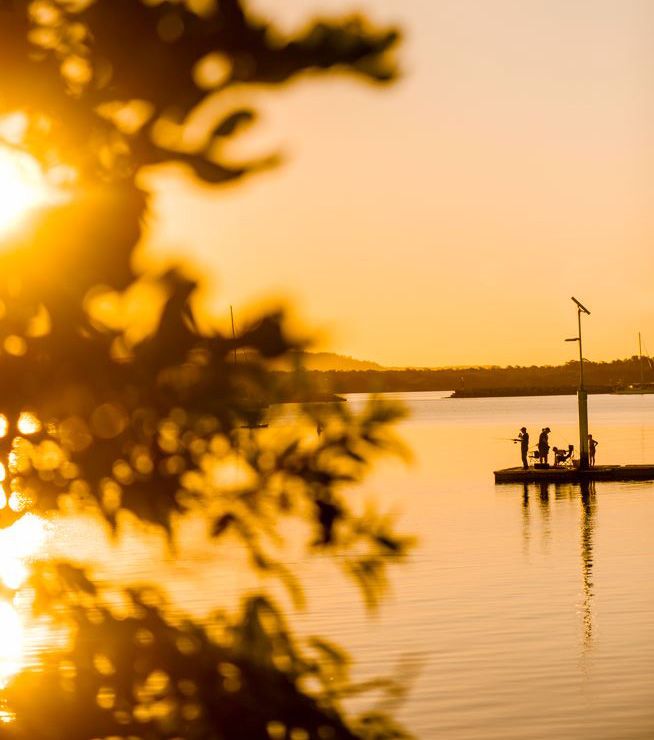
(331, 361)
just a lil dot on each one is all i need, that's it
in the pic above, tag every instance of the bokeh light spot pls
(23, 188)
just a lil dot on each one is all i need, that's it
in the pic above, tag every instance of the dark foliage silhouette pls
(96, 421)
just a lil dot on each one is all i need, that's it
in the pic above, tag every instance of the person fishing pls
(544, 445)
(523, 438)
(592, 445)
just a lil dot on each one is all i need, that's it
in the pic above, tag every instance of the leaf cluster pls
(170, 423)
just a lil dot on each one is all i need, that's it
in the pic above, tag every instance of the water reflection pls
(566, 492)
(525, 519)
(544, 502)
(587, 529)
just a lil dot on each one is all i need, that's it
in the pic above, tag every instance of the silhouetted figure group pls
(562, 455)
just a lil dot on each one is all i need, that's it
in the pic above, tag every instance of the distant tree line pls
(599, 376)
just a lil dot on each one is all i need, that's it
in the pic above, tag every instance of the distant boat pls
(634, 389)
(641, 388)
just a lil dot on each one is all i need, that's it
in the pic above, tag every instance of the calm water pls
(523, 612)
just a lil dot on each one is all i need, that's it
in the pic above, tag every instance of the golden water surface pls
(523, 612)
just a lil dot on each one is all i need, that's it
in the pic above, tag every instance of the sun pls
(23, 189)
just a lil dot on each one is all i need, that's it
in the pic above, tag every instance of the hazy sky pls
(449, 218)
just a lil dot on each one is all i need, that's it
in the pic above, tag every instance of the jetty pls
(575, 475)
(581, 471)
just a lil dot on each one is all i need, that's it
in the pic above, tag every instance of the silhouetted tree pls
(96, 421)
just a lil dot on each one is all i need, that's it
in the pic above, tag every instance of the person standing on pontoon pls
(543, 445)
(592, 444)
(523, 438)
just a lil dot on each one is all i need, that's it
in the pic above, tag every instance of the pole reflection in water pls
(587, 528)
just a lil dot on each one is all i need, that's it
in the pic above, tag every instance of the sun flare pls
(23, 189)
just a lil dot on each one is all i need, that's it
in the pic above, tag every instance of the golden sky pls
(448, 219)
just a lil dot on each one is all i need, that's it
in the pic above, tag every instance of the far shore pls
(472, 382)
(508, 392)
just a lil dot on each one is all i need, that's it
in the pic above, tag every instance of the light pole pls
(582, 396)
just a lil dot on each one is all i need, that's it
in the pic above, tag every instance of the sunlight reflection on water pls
(11, 642)
(19, 543)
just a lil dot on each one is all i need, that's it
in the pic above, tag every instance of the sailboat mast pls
(640, 359)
